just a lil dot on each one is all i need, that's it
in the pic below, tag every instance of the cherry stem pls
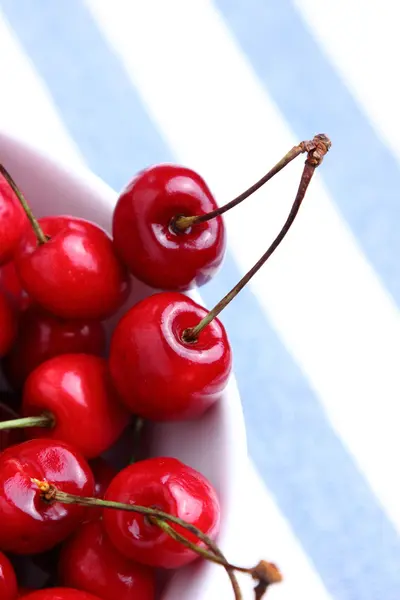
(264, 573)
(317, 149)
(41, 238)
(44, 420)
(181, 222)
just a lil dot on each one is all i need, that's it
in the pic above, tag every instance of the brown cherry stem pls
(316, 152)
(43, 420)
(264, 573)
(181, 222)
(41, 238)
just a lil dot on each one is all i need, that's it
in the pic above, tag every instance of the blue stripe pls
(361, 173)
(314, 479)
(102, 112)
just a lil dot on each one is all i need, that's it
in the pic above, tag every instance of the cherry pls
(43, 336)
(29, 525)
(13, 221)
(170, 359)
(169, 485)
(160, 376)
(74, 273)
(90, 562)
(60, 594)
(103, 474)
(8, 579)
(71, 398)
(144, 234)
(8, 324)
(12, 436)
(11, 285)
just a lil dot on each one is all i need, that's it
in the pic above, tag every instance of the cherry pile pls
(90, 529)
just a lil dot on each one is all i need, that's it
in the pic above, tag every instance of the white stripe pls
(365, 53)
(324, 299)
(272, 539)
(26, 108)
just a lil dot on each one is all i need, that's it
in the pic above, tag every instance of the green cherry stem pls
(181, 223)
(43, 420)
(40, 236)
(265, 574)
(316, 153)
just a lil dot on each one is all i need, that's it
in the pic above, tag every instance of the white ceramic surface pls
(215, 444)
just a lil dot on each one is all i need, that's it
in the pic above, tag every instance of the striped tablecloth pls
(227, 87)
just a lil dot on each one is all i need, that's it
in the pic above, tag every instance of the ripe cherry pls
(171, 486)
(29, 525)
(158, 374)
(11, 285)
(13, 221)
(74, 273)
(103, 474)
(90, 562)
(43, 336)
(71, 398)
(8, 324)
(8, 580)
(179, 350)
(144, 234)
(60, 594)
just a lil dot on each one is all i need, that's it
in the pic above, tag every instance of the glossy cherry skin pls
(61, 594)
(171, 486)
(8, 324)
(76, 274)
(11, 285)
(29, 525)
(76, 390)
(103, 474)
(8, 580)
(158, 375)
(11, 436)
(147, 243)
(90, 562)
(43, 336)
(13, 222)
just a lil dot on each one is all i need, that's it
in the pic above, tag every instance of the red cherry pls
(29, 525)
(75, 274)
(8, 324)
(76, 390)
(8, 580)
(171, 486)
(12, 436)
(144, 236)
(43, 336)
(11, 284)
(89, 562)
(24, 591)
(103, 474)
(13, 221)
(61, 594)
(159, 375)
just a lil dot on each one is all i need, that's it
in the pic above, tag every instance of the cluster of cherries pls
(106, 532)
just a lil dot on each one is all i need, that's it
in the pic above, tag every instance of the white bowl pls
(215, 444)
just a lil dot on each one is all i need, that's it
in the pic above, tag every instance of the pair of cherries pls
(108, 553)
(169, 358)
